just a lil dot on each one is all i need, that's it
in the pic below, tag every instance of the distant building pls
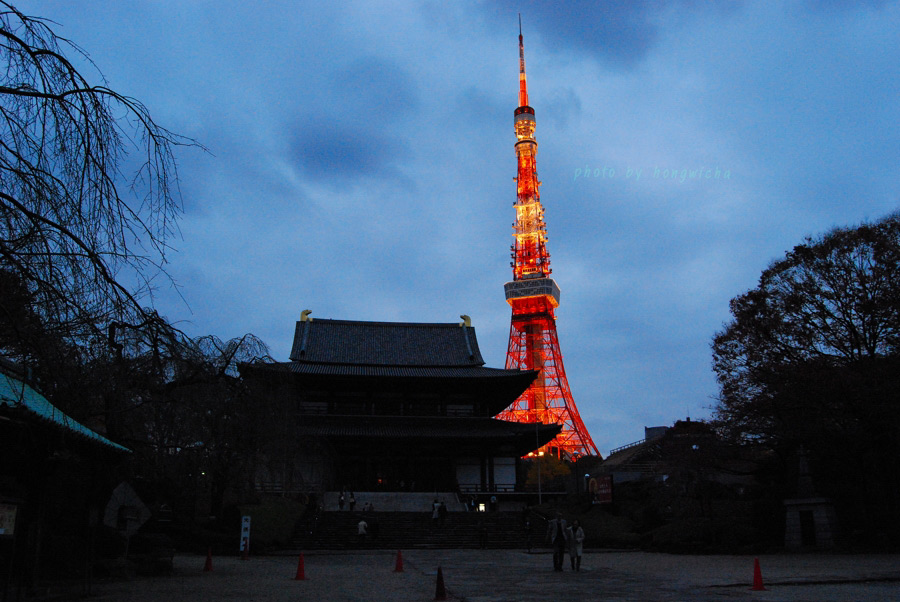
(687, 446)
(384, 406)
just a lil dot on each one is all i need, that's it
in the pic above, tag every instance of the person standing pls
(556, 533)
(362, 529)
(352, 501)
(570, 545)
(341, 501)
(529, 534)
(577, 544)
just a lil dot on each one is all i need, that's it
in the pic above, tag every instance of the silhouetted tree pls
(555, 474)
(190, 422)
(811, 358)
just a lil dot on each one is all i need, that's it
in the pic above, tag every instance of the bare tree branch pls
(87, 240)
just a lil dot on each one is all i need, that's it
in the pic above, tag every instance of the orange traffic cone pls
(208, 566)
(757, 577)
(439, 592)
(301, 572)
(398, 568)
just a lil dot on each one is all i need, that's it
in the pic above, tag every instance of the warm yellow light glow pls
(549, 298)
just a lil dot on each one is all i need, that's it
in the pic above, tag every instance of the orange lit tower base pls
(533, 295)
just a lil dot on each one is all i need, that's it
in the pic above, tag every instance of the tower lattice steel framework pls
(533, 296)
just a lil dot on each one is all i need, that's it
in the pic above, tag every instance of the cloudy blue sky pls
(361, 163)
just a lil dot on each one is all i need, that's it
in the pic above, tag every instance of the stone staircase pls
(396, 501)
(407, 530)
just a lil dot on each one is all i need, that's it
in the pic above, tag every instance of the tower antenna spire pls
(523, 86)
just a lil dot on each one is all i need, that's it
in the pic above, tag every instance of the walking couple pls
(562, 536)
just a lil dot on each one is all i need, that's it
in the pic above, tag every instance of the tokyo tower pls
(533, 296)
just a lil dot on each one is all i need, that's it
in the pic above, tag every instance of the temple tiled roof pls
(426, 427)
(398, 371)
(439, 361)
(385, 344)
(495, 386)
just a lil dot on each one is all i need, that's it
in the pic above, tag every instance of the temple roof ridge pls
(364, 343)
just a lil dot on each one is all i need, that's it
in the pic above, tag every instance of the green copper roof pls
(16, 394)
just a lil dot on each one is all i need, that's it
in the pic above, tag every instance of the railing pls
(628, 446)
(644, 467)
(494, 489)
(633, 444)
(279, 488)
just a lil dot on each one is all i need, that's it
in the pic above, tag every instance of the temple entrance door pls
(384, 472)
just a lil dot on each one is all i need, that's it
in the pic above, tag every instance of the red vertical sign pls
(601, 489)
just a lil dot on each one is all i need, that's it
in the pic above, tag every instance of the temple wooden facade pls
(372, 406)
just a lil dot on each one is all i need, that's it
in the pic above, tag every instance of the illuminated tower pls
(533, 295)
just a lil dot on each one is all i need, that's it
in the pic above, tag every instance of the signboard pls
(125, 511)
(245, 536)
(8, 519)
(601, 489)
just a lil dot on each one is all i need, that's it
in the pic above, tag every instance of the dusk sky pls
(361, 165)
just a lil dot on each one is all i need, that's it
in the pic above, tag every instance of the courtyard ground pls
(511, 575)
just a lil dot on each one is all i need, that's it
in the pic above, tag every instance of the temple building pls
(385, 406)
(54, 473)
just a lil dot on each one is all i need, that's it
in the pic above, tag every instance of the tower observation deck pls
(533, 296)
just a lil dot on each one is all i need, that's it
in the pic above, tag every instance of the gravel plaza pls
(510, 575)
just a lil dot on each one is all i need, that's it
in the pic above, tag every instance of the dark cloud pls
(562, 106)
(372, 88)
(619, 32)
(339, 154)
(351, 134)
(477, 106)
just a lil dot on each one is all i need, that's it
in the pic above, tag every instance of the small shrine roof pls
(18, 396)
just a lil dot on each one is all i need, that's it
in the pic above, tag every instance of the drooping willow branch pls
(83, 224)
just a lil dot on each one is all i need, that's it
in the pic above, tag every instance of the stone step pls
(393, 501)
(398, 530)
